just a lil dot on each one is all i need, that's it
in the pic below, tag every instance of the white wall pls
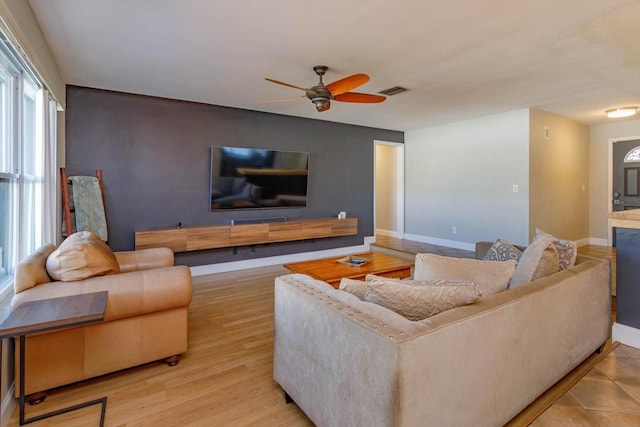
(386, 198)
(462, 174)
(599, 197)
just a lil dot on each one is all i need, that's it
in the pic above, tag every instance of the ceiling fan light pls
(320, 103)
(616, 113)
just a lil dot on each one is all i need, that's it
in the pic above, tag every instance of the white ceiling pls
(459, 59)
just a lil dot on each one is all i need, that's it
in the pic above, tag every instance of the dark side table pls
(45, 315)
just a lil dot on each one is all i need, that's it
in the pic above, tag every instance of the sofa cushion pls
(81, 256)
(501, 250)
(32, 270)
(419, 300)
(490, 276)
(355, 287)
(539, 260)
(567, 249)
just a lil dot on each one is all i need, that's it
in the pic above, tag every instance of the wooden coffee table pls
(331, 271)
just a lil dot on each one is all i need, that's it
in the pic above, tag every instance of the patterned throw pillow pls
(502, 250)
(567, 249)
(419, 301)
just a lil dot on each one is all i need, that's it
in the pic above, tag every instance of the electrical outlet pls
(515, 188)
(454, 229)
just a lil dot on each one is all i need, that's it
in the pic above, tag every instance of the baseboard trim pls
(441, 242)
(626, 335)
(389, 233)
(9, 404)
(596, 241)
(203, 270)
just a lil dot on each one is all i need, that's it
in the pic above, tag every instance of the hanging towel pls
(87, 200)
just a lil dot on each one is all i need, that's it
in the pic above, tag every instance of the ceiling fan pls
(339, 90)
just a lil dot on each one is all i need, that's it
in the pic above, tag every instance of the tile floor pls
(608, 396)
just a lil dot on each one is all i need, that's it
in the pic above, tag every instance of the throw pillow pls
(32, 271)
(490, 276)
(567, 249)
(419, 302)
(355, 287)
(414, 282)
(502, 250)
(81, 256)
(539, 260)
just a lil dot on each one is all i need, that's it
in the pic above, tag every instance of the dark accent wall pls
(154, 155)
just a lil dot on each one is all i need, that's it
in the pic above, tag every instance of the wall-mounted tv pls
(249, 178)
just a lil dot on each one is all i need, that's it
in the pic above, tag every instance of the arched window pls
(633, 155)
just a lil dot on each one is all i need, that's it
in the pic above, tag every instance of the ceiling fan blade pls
(285, 84)
(345, 85)
(325, 108)
(359, 97)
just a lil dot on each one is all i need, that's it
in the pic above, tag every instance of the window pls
(27, 165)
(633, 155)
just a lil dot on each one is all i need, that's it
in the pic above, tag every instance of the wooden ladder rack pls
(65, 182)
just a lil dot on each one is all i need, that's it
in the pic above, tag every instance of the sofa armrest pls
(129, 294)
(144, 259)
(332, 351)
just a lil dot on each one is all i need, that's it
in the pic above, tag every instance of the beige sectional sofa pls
(347, 362)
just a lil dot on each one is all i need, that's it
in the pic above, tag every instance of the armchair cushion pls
(81, 256)
(32, 271)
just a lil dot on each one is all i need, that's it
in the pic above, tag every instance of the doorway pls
(388, 217)
(624, 177)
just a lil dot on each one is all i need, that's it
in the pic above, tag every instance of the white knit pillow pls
(539, 260)
(567, 249)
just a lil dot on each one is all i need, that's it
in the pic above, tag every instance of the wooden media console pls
(225, 236)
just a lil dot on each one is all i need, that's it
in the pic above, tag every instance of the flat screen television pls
(257, 178)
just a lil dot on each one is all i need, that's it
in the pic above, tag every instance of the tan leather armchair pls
(145, 319)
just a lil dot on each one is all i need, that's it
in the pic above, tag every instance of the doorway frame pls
(399, 187)
(610, 182)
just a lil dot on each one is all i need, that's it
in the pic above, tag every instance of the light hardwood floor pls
(225, 379)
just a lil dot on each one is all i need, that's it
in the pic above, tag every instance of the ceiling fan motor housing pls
(320, 96)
